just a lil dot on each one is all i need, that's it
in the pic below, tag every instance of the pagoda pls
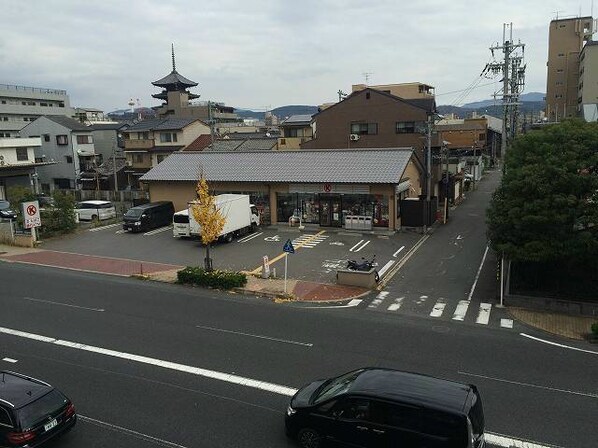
(174, 91)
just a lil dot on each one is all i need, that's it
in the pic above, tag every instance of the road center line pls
(285, 341)
(129, 432)
(477, 276)
(558, 345)
(99, 310)
(206, 373)
(535, 386)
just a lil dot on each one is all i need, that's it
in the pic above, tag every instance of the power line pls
(463, 90)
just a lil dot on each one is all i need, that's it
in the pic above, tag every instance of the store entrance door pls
(330, 211)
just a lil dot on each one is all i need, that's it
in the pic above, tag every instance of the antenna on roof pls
(173, 63)
(366, 76)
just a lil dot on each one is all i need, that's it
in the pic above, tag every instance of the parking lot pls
(318, 252)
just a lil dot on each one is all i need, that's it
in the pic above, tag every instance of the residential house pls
(295, 130)
(20, 105)
(67, 142)
(327, 187)
(18, 163)
(408, 91)
(149, 142)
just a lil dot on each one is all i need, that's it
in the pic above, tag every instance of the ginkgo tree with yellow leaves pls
(210, 220)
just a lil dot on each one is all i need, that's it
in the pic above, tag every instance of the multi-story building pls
(566, 39)
(69, 144)
(295, 130)
(149, 142)
(587, 95)
(18, 163)
(20, 105)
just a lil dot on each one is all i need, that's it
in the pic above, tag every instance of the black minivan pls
(376, 407)
(148, 216)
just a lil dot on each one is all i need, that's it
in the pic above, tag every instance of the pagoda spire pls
(173, 63)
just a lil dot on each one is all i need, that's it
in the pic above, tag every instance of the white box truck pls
(241, 216)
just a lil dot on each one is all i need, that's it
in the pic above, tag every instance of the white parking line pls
(11, 360)
(484, 314)
(109, 226)
(398, 251)
(438, 308)
(198, 371)
(155, 232)
(461, 310)
(120, 232)
(509, 442)
(477, 276)
(359, 246)
(386, 267)
(250, 237)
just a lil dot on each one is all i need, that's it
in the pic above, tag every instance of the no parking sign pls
(31, 214)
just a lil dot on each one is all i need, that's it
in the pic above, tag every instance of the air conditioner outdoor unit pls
(128, 163)
(354, 137)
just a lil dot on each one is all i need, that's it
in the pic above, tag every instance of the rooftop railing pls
(31, 89)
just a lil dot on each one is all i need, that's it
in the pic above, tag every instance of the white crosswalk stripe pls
(484, 314)
(461, 310)
(378, 300)
(438, 308)
(396, 305)
(506, 323)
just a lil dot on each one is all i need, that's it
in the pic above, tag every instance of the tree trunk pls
(208, 260)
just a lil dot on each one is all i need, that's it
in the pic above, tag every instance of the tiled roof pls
(174, 78)
(225, 145)
(371, 166)
(161, 124)
(296, 120)
(68, 123)
(258, 144)
(200, 143)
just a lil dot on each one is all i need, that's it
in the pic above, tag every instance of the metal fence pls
(123, 200)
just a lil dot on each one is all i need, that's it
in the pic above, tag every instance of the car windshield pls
(335, 386)
(4, 205)
(134, 213)
(39, 409)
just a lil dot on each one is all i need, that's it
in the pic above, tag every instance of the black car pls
(6, 212)
(375, 407)
(148, 216)
(31, 411)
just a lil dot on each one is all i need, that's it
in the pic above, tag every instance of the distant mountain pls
(281, 112)
(525, 98)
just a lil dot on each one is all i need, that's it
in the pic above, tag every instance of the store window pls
(286, 204)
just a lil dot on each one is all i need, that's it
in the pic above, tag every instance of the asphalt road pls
(530, 389)
(319, 253)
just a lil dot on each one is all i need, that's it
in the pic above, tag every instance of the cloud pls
(258, 53)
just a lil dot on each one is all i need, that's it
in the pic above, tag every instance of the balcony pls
(132, 145)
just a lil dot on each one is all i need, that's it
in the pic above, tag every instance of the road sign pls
(31, 214)
(288, 247)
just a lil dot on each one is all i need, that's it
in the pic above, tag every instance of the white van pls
(95, 210)
(180, 224)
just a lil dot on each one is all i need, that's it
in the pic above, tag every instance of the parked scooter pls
(364, 265)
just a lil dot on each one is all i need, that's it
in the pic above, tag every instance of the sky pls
(264, 54)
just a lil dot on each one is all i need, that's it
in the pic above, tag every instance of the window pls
(364, 128)
(5, 418)
(138, 158)
(22, 154)
(561, 55)
(399, 416)
(43, 104)
(167, 137)
(46, 137)
(161, 157)
(482, 137)
(143, 135)
(5, 118)
(409, 127)
(60, 104)
(69, 159)
(559, 70)
(83, 139)
(367, 95)
(62, 140)
(354, 409)
(558, 96)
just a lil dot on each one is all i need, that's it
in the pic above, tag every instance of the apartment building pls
(295, 130)
(566, 39)
(408, 90)
(587, 92)
(21, 105)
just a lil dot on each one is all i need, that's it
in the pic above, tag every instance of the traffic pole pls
(286, 255)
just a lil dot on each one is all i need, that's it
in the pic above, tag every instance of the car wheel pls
(94, 218)
(309, 438)
(376, 276)
(228, 238)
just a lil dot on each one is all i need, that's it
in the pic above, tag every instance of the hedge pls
(213, 279)
(595, 328)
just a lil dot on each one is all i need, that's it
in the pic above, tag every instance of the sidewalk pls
(573, 327)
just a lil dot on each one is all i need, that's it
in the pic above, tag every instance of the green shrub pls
(595, 329)
(213, 279)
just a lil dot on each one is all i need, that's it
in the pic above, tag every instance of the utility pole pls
(114, 166)
(513, 73)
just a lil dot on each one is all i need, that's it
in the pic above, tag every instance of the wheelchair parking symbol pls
(274, 238)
